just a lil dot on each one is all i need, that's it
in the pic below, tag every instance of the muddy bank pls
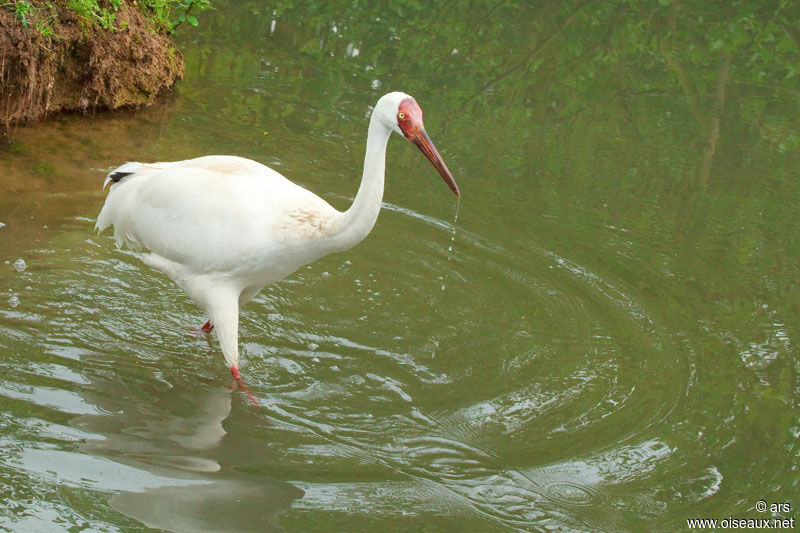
(80, 68)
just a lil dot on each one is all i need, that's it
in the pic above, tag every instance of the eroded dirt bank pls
(82, 69)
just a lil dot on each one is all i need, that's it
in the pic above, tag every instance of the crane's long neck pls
(356, 222)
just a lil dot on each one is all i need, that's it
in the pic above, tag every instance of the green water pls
(605, 339)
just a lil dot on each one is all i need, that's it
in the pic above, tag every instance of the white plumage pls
(223, 227)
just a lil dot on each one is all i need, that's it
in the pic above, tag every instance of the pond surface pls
(604, 339)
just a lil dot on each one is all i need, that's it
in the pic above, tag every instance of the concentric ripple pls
(501, 384)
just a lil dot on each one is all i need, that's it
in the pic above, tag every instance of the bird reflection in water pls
(177, 433)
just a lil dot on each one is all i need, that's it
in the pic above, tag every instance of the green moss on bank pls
(41, 18)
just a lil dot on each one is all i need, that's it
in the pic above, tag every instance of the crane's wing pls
(210, 213)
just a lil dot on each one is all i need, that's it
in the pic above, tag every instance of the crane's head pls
(402, 113)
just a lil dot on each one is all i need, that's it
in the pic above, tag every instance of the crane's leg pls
(223, 310)
(179, 274)
(240, 383)
(206, 328)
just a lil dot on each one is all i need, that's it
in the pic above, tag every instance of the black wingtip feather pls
(116, 176)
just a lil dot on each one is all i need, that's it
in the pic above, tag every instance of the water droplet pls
(452, 238)
(453, 235)
(19, 265)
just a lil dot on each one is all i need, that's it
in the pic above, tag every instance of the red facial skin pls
(409, 119)
(409, 116)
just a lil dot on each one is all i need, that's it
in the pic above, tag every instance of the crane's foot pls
(207, 327)
(240, 383)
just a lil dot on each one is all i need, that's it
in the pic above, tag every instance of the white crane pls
(223, 227)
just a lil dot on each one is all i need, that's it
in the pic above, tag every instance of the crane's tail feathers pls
(120, 206)
(117, 208)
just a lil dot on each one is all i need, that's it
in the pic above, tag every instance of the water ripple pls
(518, 405)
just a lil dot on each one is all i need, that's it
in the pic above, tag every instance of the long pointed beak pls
(424, 143)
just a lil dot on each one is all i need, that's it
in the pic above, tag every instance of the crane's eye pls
(401, 115)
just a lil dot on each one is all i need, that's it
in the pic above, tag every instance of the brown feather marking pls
(307, 223)
(227, 167)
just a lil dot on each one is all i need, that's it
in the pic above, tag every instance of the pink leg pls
(240, 383)
(207, 327)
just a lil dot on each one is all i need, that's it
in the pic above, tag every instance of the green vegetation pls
(42, 17)
(169, 14)
(91, 13)
(22, 10)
